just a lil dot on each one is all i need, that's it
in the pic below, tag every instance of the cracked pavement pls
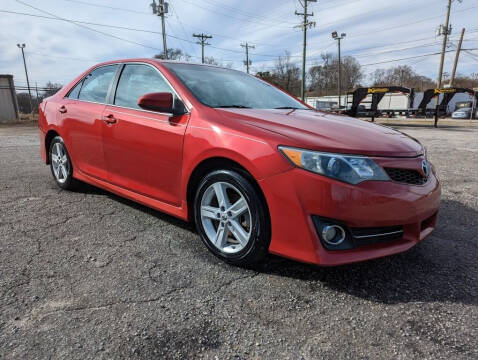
(89, 275)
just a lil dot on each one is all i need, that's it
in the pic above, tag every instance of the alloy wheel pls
(60, 163)
(226, 217)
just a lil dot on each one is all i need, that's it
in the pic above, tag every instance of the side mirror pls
(161, 102)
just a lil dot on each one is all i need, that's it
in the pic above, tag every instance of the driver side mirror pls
(161, 102)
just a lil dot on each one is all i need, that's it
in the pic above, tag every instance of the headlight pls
(350, 169)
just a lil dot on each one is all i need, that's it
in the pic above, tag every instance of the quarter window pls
(96, 84)
(76, 90)
(137, 80)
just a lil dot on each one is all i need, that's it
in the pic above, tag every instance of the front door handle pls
(110, 119)
(62, 109)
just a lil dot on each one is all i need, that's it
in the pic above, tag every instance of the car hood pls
(327, 132)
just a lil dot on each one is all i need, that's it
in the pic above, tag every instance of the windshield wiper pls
(290, 107)
(234, 106)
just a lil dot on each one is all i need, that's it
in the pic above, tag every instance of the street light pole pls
(22, 46)
(336, 36)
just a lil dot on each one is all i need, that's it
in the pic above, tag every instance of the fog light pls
(333, 234)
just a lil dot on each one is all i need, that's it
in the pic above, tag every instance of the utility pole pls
(336, 36)
(202, 41)
(22, 46)
(458, 49)
(247, 47)
(445, 31)
(161, 10)
(305, 24)
(36, 91)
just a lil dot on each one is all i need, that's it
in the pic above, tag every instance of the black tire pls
(259, 223)
(68, 182)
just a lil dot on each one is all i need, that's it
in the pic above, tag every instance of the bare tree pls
(285, 75)
(52, 89)
(211, 61)
(402, 75)
(468, 82)
(324, 77)
(174, 54)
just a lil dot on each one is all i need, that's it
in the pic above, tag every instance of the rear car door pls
(143, 149)
(81, 117)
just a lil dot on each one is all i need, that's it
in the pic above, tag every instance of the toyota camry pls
(257, 170)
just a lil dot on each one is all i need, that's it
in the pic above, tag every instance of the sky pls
(378, 33)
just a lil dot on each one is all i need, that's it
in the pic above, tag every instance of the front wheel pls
(231, 218)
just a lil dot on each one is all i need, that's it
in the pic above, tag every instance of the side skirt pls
(179, 212)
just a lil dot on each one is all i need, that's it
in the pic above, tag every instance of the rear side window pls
(96, 84)
(137, 80)
(75, 91)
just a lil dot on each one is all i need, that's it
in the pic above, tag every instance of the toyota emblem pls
(425, 167)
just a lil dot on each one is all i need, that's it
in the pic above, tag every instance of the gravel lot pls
(88, 275)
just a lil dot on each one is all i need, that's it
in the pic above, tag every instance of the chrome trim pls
(161, 74)
(377, 235)
(124, 107)
(84, 77)
(146, 117)
(337, 227)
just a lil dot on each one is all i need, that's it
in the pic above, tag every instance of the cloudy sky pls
(378, 33)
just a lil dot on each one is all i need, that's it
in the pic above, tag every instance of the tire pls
(60, 165)
(237, 236)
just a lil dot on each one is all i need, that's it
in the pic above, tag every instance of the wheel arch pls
(50, 135)
(218, 163)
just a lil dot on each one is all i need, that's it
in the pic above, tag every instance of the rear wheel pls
(231, 218)
(60, 164)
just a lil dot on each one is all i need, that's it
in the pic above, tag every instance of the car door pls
(143, 149)
(81, 118)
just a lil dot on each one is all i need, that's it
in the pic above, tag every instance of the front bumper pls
(296, 196)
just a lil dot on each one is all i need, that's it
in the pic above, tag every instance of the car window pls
(96, 84)
(137, 80)
(75, 91)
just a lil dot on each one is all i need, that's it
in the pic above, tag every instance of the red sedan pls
(257, 170)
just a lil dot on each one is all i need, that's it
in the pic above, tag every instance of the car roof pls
(160, 61)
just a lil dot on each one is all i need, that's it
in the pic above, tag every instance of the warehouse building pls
(8, 100)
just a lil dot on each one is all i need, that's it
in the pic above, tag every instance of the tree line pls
(322, 78)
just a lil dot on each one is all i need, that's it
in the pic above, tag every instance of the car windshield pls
(226, 88)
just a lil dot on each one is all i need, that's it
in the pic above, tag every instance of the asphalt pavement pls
(89, 275)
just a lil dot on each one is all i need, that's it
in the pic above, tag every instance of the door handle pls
(110, 119)
(62, 109)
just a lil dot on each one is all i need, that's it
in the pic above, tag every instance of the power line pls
(248, 14)
(81, 23)
(53, 17)
(406, 58)
(108, 7)
(245, 13)
(78, 23)
(88, 28)
(402, 25)
(359, 55)
(228, 15)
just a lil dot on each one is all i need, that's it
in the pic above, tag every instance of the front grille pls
(406, 176)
